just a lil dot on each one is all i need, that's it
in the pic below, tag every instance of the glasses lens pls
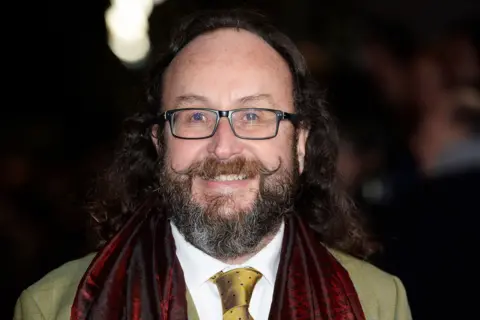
(194, 123)
(254, 123)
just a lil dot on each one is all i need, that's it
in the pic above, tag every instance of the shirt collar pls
(198, 267)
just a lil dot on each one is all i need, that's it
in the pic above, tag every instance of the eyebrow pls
(193, 98)
(189, 99)
(258, 97)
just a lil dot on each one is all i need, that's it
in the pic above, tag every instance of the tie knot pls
(236, 288)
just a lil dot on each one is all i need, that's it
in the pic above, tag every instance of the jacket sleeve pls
(402, 308)
(27, 309)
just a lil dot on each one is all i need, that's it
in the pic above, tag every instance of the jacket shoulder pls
(52, 296)
(381, 294)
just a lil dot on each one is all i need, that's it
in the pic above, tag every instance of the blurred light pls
(127, 26)
(130, 51)
(145, 5)
(126, 23)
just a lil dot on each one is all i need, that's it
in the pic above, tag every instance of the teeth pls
(229, 177)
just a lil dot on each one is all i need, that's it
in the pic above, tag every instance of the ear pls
(154, 136)
(302, 137)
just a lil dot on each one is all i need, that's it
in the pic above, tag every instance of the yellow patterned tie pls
(236, 287)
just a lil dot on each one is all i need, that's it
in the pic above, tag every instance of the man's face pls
(229, 180)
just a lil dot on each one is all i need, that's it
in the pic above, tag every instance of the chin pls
(234, 197)
(226, 205)
(227, 212)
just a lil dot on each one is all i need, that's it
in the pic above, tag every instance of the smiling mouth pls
(229, 177)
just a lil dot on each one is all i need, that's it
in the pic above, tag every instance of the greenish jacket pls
(382, 295)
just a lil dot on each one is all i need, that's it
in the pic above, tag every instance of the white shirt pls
(198, 267)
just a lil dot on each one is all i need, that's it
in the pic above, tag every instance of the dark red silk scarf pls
(137, 276)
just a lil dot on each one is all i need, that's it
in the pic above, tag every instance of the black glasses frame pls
(281, 115)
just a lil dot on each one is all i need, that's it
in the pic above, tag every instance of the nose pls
(224, 144)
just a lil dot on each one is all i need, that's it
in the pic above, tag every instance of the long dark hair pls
(133, 175)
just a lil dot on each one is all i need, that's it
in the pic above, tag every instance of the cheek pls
(180, 154)
(287, 157)
(270, 151)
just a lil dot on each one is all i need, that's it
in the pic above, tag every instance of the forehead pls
(226, 65)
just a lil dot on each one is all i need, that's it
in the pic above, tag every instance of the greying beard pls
(227, 236)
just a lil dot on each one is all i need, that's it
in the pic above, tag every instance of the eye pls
(198, 116)
(250, 116)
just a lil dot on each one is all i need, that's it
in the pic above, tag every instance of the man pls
(210, 206)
